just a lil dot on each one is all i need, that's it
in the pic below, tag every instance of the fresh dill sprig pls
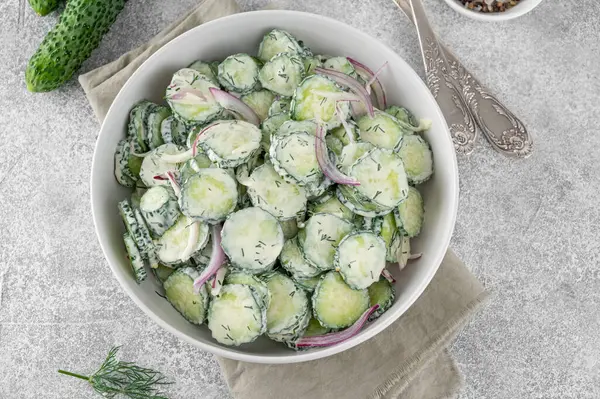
(115, 377)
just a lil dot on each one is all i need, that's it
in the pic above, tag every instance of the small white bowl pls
(242, 33)
(522, 8)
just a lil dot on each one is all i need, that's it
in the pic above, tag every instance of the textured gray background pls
(528, 229)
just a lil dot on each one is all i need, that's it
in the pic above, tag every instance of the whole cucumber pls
(70, 42)
(43, 7)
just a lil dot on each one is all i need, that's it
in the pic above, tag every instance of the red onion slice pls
(373, 82)
(344, 121)
(217, 258)
(234, 104)
(353, 84)
(217, 282)
(415, 256)
(388, 276)
(327, 166)
(194, 234)
(174, 184)
(195, 143)
(337, 337)
(177, 158)
(188, 96)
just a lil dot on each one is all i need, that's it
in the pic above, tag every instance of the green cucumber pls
(43, 7)
(309, 102)
(293, 157)
(135, 259)
(230, 143)
(196, 104)
(333, 206)
(206, 69)
(282, 74)
(342, 65)
(239, 73)
(160, 210)
(410, 213)
(179, 291)
(383, 130)
(289, 307)
(210, 195)
(278, 41)
(293, 261)
(319, 238)
(360, 258)
(335, 304)
(403, 115)
(381, 293)
(173, 243)
(417, 159)
(281, 105)
(240, 277)
(260, 101)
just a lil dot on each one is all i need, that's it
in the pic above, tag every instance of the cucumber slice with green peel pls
(282, 74)
(193, 166)
(179, 290)
(270, 127)
(288, 127)
(293, 156)
(315, 328)
(319, 238)
(310, 63)
(209, 195)
(315, 99)
(360, 259)
(335, 145)
(342, 65)
(239, 73)
(136, 231)
(147, 248)
(123, 174)
(383, 130)
(240, 277)
(137, 129)
(289, 228)
(136, 196)
(351, 153)
(382, 177)
(280, 105)
(236, 316)
(252, 239)
(135, 259)
(314, 191)
(417, 159)
(359, 205)
(332, 206)
(179, 132)
(403, 115)
(153, 165)
(166, 130)
(389, 232)
(172, 244)
(293, 261)
(278, 41)
(190, 99)
(381, 293)
(230, 143)
(160, 210)
(202, 257)
(288, 308)
(162, 272)
(267, 190)
(153, 117)
(326, 196)
(308, 284)
(344, 136)
(410, 213)
(206, 69)
(291, 336)
(260, 101)
(335, 304)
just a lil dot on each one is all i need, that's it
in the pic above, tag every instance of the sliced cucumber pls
(236, 316)
(136, 129)
(314, 191)
(319, 238)
(206, 69)
(153, 165)
(358, 204)
(389, 233)
(332, 206)
(123, 174)
(197, 105)
(193, 166)
(343, 135)
(278, 41)
(270, 126)
(282, 73)
(342, 65)
(240, 277)
(260, 101)
(288, 308)
(209, 195)
(335, 145)
(309, 284)
(383, 130)
(162, 272)
(166, 129)
(135, 259)
(382, 177)
(292, 260)
(230, 143)
(136, 231)
(202, 257)
(281, 105)
(270, 192)
(351, 153)
(252, 239)
(136, 196)
(335, 304)
(288, 127)
(160, 209)
(147, 248)
(315, 328)
(381, 293)
(293, 156)
(410, 213)
(289, 228)
(239, 73)
(309, 102)
(153, 118)
(310, 63)
(179, 290)
(417, 159)
(403, 115)
(360, 258)
(172, 244)
(173, 131)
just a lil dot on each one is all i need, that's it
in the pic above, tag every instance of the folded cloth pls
(408, 360)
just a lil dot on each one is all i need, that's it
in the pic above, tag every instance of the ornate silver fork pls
(467, 105)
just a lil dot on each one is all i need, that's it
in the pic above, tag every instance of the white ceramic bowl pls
(242, 33)
(518, 10)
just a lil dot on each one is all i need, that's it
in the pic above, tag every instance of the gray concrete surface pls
(529, 229)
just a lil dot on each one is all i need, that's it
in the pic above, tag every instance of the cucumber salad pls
(272, 193)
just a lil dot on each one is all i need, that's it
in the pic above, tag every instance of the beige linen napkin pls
(407, 360)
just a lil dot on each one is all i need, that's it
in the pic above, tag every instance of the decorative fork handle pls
(500, 126)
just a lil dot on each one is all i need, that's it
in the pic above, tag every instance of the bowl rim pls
(294, 357)
(519, 10)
